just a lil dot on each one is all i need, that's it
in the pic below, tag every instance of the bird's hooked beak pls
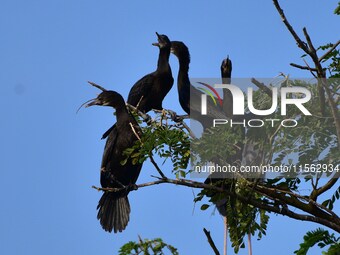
(159, 39)
(94, 101)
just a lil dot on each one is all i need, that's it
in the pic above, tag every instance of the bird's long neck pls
(122, 113)
(183, 76)
(226, 77)
(163, 60)
(227, 96)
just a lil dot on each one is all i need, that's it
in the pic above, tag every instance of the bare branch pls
(271, 193)
(211, 242)
(262, 86)
(317, 192)
(312, 50)
(294, 200)
(157, 167)
(189, 130)
(146, 117)
(96, 85)
(311, 69)
(134, 131)
(303, 67)
(299, 42)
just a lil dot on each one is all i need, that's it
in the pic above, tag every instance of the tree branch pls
(309, 50)
(317, 192)
(211, 242)
(96, 85)
(146, 117)
(157, 167)
(299, 42)
(262, 86)
(265, 205)
(303, 67)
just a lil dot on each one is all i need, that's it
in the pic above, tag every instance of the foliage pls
(147, 247)
(337, 9)
(242, 218)
(167, 140)
(310, 145)
(322, 238)
(333, 59)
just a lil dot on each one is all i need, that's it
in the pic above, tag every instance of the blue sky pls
(51, 155)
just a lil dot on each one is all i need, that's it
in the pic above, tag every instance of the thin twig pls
(211, 242)
(300, 43)
(140, 100)
(188, 129)
(180, 119)
(145, 117)
(310, 69)
(157, 167)
(97, 86)
(312, 50)
(134, 131)
(303, 67)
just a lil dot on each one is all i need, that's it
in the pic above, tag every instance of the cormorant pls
(187, 91)
(226, 68)
(113, 207)
(148, 93)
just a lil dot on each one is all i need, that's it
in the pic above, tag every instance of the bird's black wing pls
(108, 131)
(109, 146)
(141, 88)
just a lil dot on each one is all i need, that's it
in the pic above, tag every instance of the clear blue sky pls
(50, 156)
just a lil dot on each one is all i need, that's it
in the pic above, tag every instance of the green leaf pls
(204, 207)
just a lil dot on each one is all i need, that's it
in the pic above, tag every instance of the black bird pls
(226, 180)
(114, 208)
(226, 68)
(187, 91)
(148, 93)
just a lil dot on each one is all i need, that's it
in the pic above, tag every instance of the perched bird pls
(189, 96)
(226, 68)
(148, 93)
(113, 207)
(246, 154)
(226, 179)
(181, 51)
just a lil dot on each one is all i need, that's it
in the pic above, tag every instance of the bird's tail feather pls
(113, 212)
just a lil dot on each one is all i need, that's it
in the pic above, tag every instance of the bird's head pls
(226, 67)
(180, 50)
(163, 41)
(107, 98)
